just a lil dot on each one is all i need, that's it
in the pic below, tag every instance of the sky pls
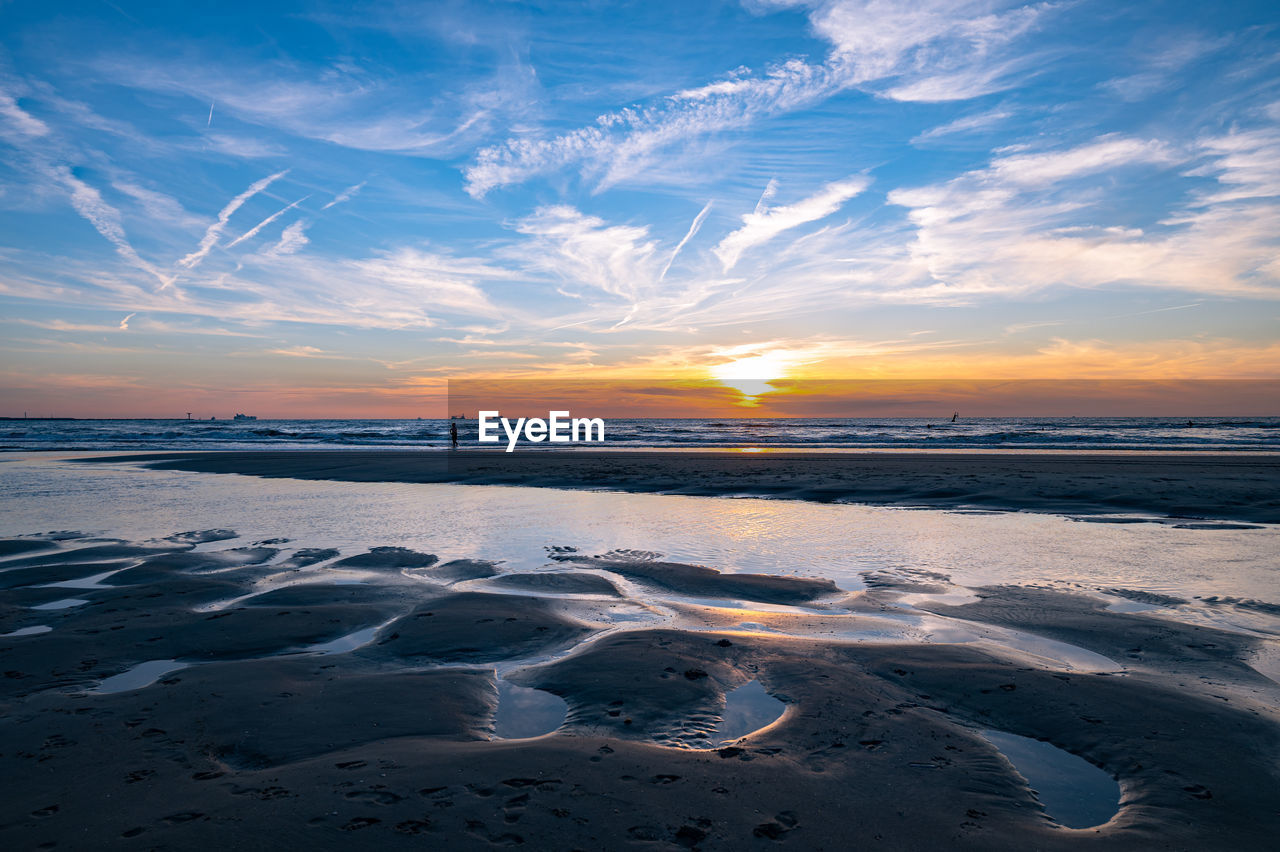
(331, 209)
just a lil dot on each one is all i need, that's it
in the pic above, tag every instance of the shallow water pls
(747, 709)
(27, 631)
(344, 644)
(523, 712)
(143, 674)
(93, 582)
(1074, 792)
(65, 603)
(515, 526)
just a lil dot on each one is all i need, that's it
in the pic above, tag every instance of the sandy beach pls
(812, 425)
(205, 688)
(1242, 487)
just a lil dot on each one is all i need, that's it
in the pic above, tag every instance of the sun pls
(751, 375)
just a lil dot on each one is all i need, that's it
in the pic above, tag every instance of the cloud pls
(88, 202)
(19, 119)
(1108, 152)
(690, 234)
(1161, 61)
(340, 102)
(242, 146)
(301, 352)
(620, 260)
(158, 206)
(623, 143)
(292, 240)
(256, 229)
(124, 323)
(765, 223)
(966, 124)
(214, 231)
(934, 51)
(346, 195)
(1032, 220)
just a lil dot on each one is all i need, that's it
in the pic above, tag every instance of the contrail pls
(124, 323)
(693, 229)
(210, 121)
(215, 230)
(253, 232)
(770, 190)
(346, 194)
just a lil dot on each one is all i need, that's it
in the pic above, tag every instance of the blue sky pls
(315, 209)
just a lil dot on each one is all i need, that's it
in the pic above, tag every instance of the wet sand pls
(253, 737)
(1234, 487)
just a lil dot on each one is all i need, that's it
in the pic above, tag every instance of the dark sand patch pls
(84, 649)
(559, 582)
(41, 574)
(473, 627)
(393, 558)
(700, 581)
(458, 570)
(649, 685)
(164, 567)
(15, 546)
(1136, 640)
(1243, 603)
(202, 536)
(110, 552)
(908, 580)
(305, 557)
(390, 598)
(1140, 596)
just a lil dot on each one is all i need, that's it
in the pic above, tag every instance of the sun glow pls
(751, 375)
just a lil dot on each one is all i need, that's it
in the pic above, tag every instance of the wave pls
(1217, 434)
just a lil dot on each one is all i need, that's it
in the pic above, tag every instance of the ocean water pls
(1215, 434)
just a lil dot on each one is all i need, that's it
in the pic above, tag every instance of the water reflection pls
(840, 542)
(523, 712)
(1074, 792)
(143, 674)
(747, 708)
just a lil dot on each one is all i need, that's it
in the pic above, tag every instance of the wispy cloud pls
(292, 240)
(765, 223)
(88, 202)
(256, 229)
(157, 206)
(20, 120)
(965, 125)
(214, 231)
(934, 51)
(1032, 220)
(346, 195)
(582, 250)
(245, 147)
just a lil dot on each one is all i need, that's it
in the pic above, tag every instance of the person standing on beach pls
(453, 434)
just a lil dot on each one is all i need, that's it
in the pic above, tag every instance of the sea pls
(1164, 434)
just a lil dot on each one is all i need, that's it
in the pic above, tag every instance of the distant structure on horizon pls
(244, 417)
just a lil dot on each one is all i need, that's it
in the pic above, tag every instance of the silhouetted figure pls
(954, 416)
(453, 434)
